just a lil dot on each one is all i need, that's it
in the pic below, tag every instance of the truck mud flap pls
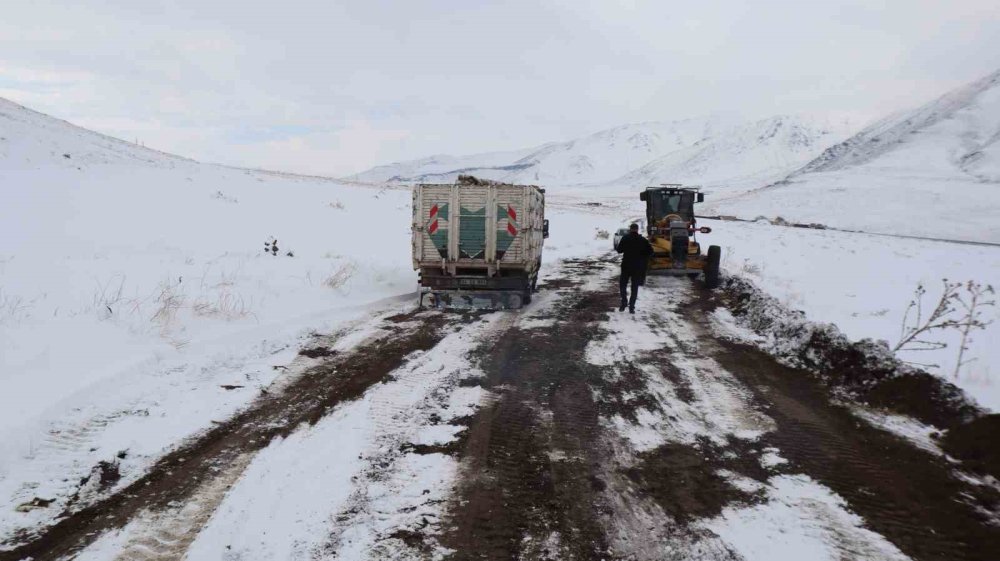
(473, 300)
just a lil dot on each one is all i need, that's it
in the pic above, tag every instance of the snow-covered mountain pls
(933, 171)
(743, 156)
(712, 150)
(960, 131)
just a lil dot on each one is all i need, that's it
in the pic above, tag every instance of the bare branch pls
(978, 297)
(911, 332)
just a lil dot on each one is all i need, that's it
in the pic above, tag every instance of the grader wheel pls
(712, 266)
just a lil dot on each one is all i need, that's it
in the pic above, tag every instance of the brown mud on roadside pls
(909, 496)
(865, 369)
(317, 352)
(978, 444)
(923, 396)
(558, 284)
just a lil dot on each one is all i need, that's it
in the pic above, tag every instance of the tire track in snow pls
(393, 511)
(179, 475)
(166, 534)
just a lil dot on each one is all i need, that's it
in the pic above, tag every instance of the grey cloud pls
(409, 79)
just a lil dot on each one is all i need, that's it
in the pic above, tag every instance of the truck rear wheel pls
(515, 301)
(712, 266)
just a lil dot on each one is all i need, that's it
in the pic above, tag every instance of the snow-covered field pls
(132, 295)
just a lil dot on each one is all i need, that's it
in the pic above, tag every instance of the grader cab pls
(672, 231)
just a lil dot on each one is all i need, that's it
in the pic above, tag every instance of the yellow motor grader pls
(672, 232)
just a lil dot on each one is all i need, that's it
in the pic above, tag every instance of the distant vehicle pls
(478, 243)
(621, 233)
(672, 231)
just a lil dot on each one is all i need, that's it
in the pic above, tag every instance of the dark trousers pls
(636, 278)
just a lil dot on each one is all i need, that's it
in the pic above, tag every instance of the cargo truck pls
(478, 243)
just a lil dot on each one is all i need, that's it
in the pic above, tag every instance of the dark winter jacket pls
(635, 251)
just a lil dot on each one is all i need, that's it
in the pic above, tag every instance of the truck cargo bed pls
(480, 236)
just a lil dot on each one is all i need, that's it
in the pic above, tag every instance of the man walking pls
(635, 251)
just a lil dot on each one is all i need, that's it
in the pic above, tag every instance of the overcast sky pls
(334, 87)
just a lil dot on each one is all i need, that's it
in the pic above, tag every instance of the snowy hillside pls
(933, 171)
(444, 165)
(32, 140)
(134, 284)
(710, 150)
(744, 156)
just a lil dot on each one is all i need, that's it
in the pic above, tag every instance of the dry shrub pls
(109, 296)
(750, 268)
(341, 275)
(13, 309)
(960, 309)
(169, 300)
(225, 304)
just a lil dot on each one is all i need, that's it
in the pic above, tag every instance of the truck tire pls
(515, 301)
(712, 266)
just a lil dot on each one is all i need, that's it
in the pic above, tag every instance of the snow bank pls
(863, 369)
(862, 284)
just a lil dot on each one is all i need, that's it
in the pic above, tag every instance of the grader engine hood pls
(679, 243)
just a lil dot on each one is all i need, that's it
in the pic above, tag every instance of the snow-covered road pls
(566, 430)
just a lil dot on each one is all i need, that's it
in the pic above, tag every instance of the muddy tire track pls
(178, 476)
(532, 485)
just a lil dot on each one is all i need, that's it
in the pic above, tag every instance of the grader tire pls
(712, 266)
